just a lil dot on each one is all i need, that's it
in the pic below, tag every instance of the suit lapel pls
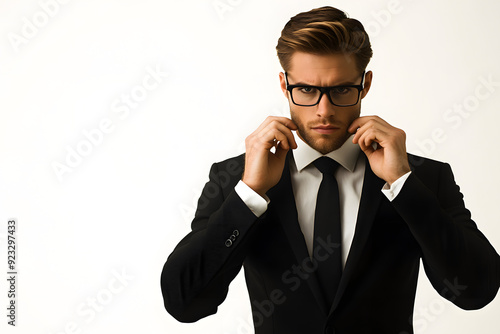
(285, 210)
(371, 196)
(283, 201)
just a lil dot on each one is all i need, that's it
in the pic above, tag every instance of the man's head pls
(324, 48)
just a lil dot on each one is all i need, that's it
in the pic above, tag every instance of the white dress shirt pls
(306, 179)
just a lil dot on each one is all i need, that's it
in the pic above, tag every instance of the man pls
(328, 251)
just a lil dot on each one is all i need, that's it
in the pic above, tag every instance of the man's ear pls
(283, 84)
(368, 83)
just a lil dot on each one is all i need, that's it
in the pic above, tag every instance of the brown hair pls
(321, 31)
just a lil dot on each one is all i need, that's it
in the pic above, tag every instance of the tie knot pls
(326, 165)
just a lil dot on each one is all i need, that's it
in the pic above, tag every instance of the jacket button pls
(228, 243)
(236, 233)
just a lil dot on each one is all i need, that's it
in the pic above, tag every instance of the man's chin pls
(327, 147)
(324, 143)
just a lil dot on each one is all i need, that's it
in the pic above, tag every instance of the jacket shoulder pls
(238, 160)
(431, 172)
(417, 162)
(227, 173)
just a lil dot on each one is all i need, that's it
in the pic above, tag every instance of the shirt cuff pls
(393, 190)
(256, 203)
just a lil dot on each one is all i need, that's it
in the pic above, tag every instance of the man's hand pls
(388, 159)
(263, 168)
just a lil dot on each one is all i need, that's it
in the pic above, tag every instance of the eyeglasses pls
(341, 96)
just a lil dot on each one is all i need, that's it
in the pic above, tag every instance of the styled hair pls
(324, 31)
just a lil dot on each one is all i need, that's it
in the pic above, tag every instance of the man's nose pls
(325, 107)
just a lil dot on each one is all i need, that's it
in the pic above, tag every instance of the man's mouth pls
(325, 129)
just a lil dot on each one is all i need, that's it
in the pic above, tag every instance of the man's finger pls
(282, 120)
(364, 120)
(286, 131)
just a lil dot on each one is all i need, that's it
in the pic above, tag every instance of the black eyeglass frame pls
(326, 90)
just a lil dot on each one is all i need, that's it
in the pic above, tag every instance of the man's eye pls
(308, 90)
(341, 90)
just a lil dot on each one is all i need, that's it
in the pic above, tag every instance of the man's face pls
(324, 126)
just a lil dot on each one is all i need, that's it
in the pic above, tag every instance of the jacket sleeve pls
(196, 276)
(459, 261)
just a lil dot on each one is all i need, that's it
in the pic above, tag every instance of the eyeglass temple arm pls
(286, 79)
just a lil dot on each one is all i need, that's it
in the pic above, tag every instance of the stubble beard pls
(322, 143)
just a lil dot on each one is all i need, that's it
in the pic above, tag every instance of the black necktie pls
(327, 232)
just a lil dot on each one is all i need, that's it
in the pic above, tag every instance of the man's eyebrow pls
(300, 83)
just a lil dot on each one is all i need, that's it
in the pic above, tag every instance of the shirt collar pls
(346, 155)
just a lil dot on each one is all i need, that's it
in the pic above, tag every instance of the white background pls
(126, 204)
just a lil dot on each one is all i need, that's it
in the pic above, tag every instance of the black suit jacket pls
(427, 220)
